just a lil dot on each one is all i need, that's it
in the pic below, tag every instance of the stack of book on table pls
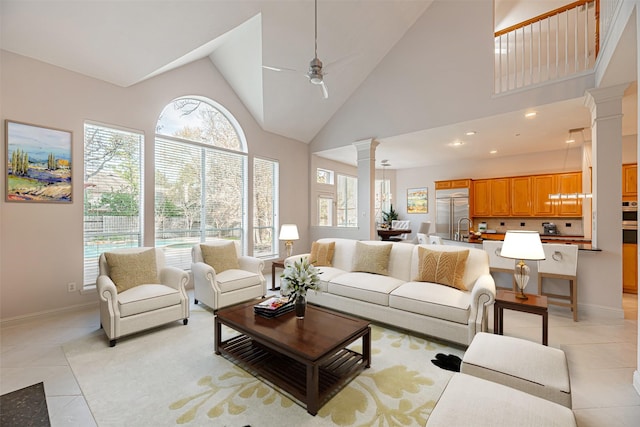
(273, 307)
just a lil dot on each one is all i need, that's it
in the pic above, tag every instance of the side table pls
(536, 304)
(279, 263)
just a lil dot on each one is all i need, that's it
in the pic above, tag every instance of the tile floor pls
(601, 354)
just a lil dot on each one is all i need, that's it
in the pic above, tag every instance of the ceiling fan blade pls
(325, 91)
(279, 69)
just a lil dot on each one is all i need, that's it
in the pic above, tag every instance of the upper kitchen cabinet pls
(453, 183)
(630, 182)
(570, 183)
(543, 185)
(521, 196)
(481, 195)
(491, 197)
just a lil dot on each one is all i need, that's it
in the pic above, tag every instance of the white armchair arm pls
(293, 258)
(174, 277)
(483, 295)
(252, 264)
(109, 309)
(204, 276)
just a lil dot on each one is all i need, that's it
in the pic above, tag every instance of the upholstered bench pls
(525, 365)
(472, 401)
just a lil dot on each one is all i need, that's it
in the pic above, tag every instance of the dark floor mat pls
(26, 407)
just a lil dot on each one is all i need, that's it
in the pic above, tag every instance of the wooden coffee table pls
(307, 357)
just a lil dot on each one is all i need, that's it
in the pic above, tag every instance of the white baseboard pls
(32, 316)
(593, 311)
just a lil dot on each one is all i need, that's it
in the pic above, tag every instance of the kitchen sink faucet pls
(457, 235)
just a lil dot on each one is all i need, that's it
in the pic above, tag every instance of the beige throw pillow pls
(445, 268)
(322, 254)
(221, 256)
(372, 258)
(128, 270)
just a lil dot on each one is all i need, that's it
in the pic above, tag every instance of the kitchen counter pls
(582, 243)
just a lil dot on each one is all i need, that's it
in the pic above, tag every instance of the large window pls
(347, 204)
(112, 193)
(201, 178)
(265, 203)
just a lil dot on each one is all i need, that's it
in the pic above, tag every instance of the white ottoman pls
(471, 401)
(525, 365)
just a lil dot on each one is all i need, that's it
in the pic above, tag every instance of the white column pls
(605, 105)
(636, 374)
(366, 187)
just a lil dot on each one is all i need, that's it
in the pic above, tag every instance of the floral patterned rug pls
(171, 376)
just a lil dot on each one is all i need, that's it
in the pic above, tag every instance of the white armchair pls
(401, 225)
(134, 297)
(218, 289)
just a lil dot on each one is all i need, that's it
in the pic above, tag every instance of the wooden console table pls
(389, 233)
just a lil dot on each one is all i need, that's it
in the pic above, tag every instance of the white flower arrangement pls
(298, 278)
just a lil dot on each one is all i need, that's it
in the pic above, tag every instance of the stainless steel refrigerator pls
(451, 206)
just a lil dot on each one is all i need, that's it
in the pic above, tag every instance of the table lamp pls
(522, 245)
(289, 233)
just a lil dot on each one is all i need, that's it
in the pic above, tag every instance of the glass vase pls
(300, 306)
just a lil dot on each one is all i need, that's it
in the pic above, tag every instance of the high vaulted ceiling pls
(126, 42)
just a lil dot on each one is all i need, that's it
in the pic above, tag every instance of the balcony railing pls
(551, 46)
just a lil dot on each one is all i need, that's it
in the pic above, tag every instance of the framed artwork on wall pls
(418, 200)
(38, 163)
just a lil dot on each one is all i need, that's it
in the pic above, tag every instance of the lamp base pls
(522, 296)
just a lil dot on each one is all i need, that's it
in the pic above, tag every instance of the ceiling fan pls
(315, 74)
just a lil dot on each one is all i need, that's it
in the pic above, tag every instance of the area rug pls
(171, 376)
(26, 407)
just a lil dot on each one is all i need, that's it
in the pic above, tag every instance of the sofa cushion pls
(233, 279)
(446, 268)
(128, 270)
(370, 258)
(221, 256)
(322, 254)
(148, 297)
(364, 287)
(327, 274)
(433, 300)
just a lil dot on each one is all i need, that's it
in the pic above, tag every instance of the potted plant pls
(389, 216)
(296, 280)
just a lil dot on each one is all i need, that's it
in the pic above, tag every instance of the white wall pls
(42, 244)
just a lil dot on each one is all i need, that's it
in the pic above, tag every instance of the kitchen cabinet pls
(453, 183)
(569, 183)
(630, 182)
(521, 196)
(500, 199)
(630, 268)
(481, 195)
(543, 185)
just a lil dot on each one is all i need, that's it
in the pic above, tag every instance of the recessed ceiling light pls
(530, 114)
(471, 132)
(493, 151)
(569, 141)
(457, 143)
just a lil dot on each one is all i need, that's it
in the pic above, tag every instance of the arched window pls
(201, 177)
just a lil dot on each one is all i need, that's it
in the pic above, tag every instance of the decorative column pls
(366, 187)
(605, 105)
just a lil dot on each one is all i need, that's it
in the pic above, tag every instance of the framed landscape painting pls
(38, 163)
(418, 200)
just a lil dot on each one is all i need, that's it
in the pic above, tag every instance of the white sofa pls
(428, 308)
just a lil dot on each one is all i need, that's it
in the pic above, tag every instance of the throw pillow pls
(221, 256)
(445, 268)
(372, 258)
(322, 254)
(128, 270)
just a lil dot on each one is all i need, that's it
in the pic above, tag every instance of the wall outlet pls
(71, 287)
(568, 224)
(522, 224)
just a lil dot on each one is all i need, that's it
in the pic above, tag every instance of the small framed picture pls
(38, 163)
(418, 200)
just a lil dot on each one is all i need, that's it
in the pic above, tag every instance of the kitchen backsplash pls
(565, 226)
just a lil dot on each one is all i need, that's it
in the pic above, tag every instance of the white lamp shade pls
(289, 232)
(521, 244)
